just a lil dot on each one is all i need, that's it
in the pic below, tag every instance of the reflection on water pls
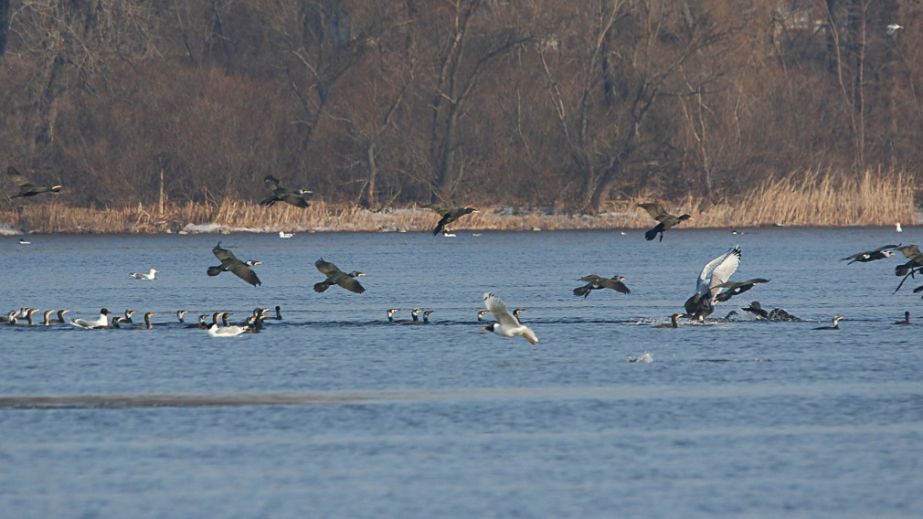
(336, 412)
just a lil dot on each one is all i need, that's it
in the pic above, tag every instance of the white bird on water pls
(24, 242)
(101, 322)
(226, 331)
(283, 234)
(897, 227)
(507, 325)
(151, 274)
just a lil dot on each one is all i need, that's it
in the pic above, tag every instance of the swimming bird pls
(116, 323)
(201, 324)
(660, 214)
(24, 242)
(716, 272)
(180, 315)
(733, 288)
(29, 311)
(451, 216)
(286, 235)
(836, 324)
(905, 320)
(595, 282)
(391, 312)
(426, 315)
(230, 263)
(148, 277)
(11, 318)
(278, 316)
(885, 251)
(517, 312)
(506, 325)
(46, 317)
(335, 276)
(414, 317)
(757, 309)
(780, 314)
(26, 187)
(60, 318)
(481, 314)
(226, 331)
(674, 322)
(91, 324)
(128, 313)
(284, 194)
(147, 320)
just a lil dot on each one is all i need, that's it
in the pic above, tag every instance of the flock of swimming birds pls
(713, 285)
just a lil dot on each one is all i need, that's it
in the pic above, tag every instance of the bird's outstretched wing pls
(245, 273)
(272, 183)
(618, 286)
(22, 182)
(718, 271)
(654, 209)
(223, 255)
(590, 278)
(325, 267)
(350, 283)
(909, 251)
(498, 308)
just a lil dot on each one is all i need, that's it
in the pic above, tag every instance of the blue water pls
(333, 412)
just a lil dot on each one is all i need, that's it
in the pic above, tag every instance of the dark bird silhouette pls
(756, 309)
(26, 187)
(905, 320)
(230, 263)
(733, 288)
(335, 276)
(913, 265)
(280, 193)
(836, 324)
(451, 216)
(595, 282)
(660, 214)
(882, 252)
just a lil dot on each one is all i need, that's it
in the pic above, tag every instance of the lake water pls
(334, 412)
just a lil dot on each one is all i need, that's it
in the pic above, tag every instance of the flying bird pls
(913, 266)
(892, 28)
(335, 276)
(660, 214)
(507, 325)
(280, 193)
(716, 272)
(26, 187)
(230, 263)
(451, 216)
(885, 251)
(595, 282)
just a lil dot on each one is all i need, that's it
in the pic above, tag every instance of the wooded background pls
(520, 102)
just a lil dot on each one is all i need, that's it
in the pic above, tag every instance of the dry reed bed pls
(808, 198)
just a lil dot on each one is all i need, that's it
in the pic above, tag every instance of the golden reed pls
(800, 199)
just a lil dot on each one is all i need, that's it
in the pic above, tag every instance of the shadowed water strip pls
(609, 393)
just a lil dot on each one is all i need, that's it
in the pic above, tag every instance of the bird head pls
(469, 210)
(56, 189)
(481, 314)
(356, 274)
(129, 312)
(104, 311)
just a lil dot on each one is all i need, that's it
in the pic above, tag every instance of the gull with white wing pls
(507, 325)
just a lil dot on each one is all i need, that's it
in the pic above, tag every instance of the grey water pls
(334, 412)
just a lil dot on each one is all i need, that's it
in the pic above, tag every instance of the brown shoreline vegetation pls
(802, 199)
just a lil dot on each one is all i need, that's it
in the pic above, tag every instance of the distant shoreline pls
(805, 200)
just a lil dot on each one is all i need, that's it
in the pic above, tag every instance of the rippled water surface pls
(334, 412)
